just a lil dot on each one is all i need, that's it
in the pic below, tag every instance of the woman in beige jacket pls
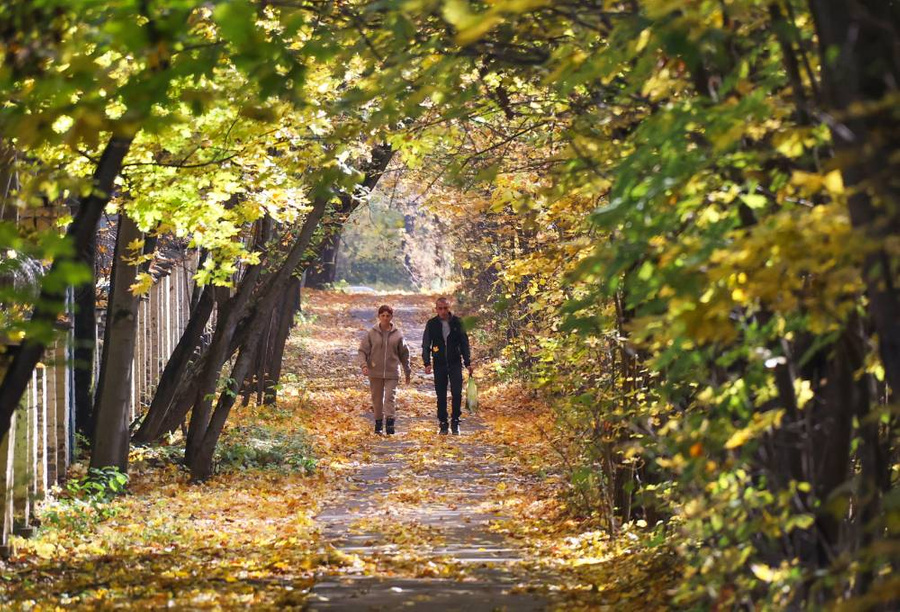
(381, 353)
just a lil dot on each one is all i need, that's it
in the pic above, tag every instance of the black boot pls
(454, 427)
(389, 426)
(444, 429)
(378, 426)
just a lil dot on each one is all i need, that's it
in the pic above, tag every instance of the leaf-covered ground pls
(309, 509)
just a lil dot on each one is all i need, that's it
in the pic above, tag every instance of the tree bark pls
(229, 317)
(269, 357)
(48, 306)
(111, 431)
(289, 307)
(201, 463)
(265, 349)
(85, 326)
(324, 270)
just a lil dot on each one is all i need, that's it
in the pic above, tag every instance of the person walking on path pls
(381, 353)
(446, 345)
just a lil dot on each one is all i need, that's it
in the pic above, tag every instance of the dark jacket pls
(457, 344)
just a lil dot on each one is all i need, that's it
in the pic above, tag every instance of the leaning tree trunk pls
(289, 307)
(206, 430)
(237, 323)
(256, 381)
(325, 251)
(324, 268)
(111, 410)
(84, 226)
(217, 354)
(269, 357)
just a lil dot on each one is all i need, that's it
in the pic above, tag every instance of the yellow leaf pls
(763, 572)
(760, 422)
(834, 182)
(643, 39)
(476, 30)
(739, 438)
(142, 284)
(136, 246)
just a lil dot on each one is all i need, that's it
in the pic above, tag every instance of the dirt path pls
(414, 519)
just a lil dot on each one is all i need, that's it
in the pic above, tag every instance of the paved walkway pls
(412, 521)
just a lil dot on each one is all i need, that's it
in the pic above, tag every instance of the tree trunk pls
(325, 266)
(229, 317)
(84, 226)
(262, 355)
(85, 326)
(269, 357)
(204, 433)
(857, 79)
(201, 464)
(289, 307)
(844, 396)
(111, 432)
(324, 270)
(205, 429)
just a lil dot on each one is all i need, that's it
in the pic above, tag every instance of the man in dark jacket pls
(446, 345)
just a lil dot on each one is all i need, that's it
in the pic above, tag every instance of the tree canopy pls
(676, 221)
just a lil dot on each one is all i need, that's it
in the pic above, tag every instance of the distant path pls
(411, 519)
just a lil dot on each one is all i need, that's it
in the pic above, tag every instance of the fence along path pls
(41, 441)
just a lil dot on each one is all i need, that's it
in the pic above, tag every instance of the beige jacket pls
(384, 353)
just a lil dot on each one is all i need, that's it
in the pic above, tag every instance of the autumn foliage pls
(673, 227)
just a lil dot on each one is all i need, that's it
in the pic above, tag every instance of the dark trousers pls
(442, 376)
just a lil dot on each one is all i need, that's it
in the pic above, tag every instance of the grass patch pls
(251, 447)
(85, 501)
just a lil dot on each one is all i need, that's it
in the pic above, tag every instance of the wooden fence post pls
(158, 340)
(33, 428)
(7, 484)
(64, 411)
(142, 351)
(50, 398)
(40, 413)
(167, 282)
(22, 472)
